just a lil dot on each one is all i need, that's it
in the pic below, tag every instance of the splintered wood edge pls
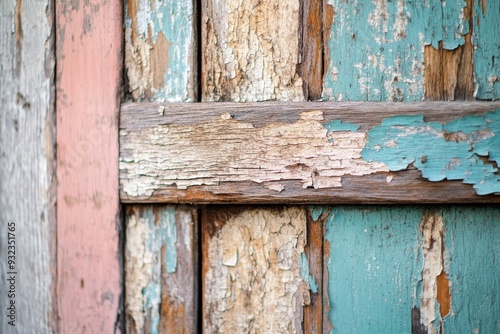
(197, 142)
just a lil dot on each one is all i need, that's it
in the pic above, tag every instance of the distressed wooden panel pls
(161, 50)
(161, 269)
(253, 269)
(309, 152)
(27, 164)
(376, 48)
(411, 269)
(250, 51)
(161, 65)
(89, 67)
(486, 41)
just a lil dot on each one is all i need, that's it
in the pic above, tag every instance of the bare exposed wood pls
(268, 152)
(161, 269)
(313, 313)
(250, 51)
(251, 269)
(311, 48)
(27, 167)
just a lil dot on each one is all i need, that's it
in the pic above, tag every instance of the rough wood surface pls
(252, 280)
(161, 50)
(27, 164)
(250, 51)
(449, 74)
(161, 269)
(89, 67)
(303, 152)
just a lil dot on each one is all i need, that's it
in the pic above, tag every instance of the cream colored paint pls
(253, 282)
(228, 150)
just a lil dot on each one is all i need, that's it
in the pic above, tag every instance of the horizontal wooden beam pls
(321, 152)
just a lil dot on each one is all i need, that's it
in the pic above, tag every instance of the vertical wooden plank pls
(161, 50)
(27, 160)
(161, 65)
(89, 58)
(161, 269)
(486, 41)
(472, 245)
(250, 51)
(252, 280)
(373, 268)
(258, 51)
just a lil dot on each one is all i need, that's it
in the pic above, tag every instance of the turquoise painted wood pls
(376, 47)
(486, 37)
(373, 268)
(379, 263)
(472, 260)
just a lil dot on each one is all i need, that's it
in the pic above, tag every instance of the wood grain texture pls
(89, 67)
(258, 153)
(27, 160)
(252, 280)
(161, 269)
(161, 50)
(250, 51)
(449, 74)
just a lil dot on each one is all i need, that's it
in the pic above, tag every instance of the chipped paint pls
(159, 49)
(432, 229)
(385, 61)
(373, 267)
(148, 236)
(486, 41)
(263, 290)
(304, 272)
(453, 151)
(251, 51)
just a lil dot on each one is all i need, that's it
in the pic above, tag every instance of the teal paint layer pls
(472, 260)
(376, 47)
(161, 233)
(316, 211)
(304, 273)
(486, 41)
(174, 19)
(338, 125)
(374, 268)
(451, 151)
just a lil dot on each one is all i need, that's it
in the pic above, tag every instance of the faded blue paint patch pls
(173, 19)
(164, 233)
(472, 261)
(451, 151)
(152, 299)
(338, 125)
(305, 274)
(486, 40)
(385, 56)
(374, 267)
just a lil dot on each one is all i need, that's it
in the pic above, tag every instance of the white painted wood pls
(27, 158)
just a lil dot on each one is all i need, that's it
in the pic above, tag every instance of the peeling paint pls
(147, 237)
(385, 61)
(486, 41)
(451, 151)
(159, 49)
(251, 51)
(304, 272)
(228, 150)
(263, 290)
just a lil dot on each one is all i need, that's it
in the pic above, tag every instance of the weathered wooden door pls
(334, 268)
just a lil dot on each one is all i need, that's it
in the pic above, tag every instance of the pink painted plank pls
(89, 58)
